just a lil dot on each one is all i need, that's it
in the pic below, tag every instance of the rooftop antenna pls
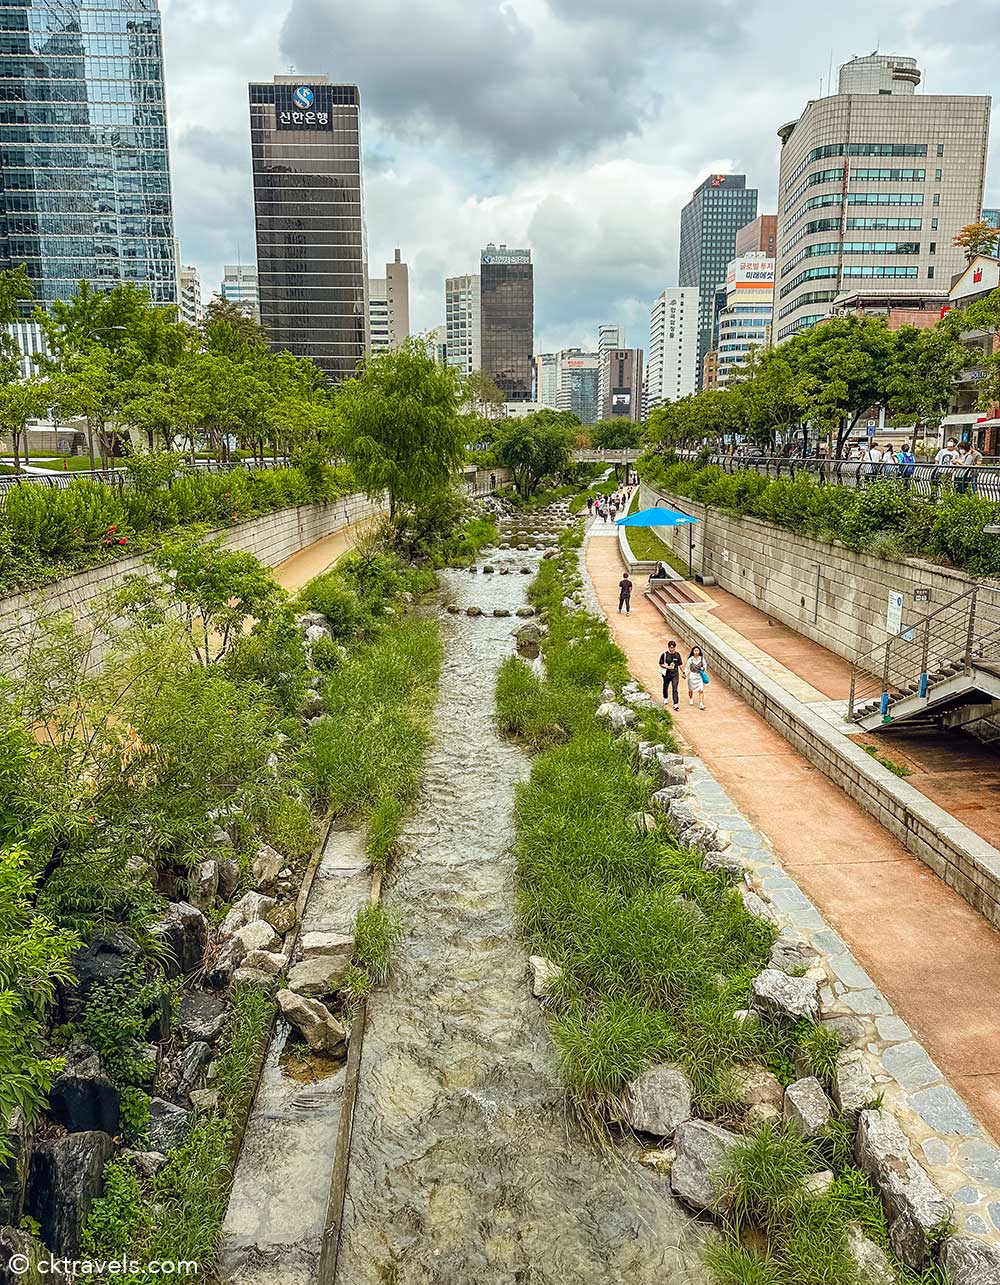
(829, 77)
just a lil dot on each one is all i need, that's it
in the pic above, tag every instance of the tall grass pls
(377, 931)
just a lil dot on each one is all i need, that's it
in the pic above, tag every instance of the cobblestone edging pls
(957, 1154)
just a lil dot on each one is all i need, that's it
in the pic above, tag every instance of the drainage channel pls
(466, 1165)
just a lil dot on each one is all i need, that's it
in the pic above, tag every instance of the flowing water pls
(466, 1166)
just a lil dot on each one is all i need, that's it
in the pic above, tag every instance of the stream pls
(467, 1167)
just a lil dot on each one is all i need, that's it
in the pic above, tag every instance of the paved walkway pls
(935, 958)
(316, 558)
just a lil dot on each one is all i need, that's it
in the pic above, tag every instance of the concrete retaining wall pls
(828, 593)
(271, 538)
(960, 857)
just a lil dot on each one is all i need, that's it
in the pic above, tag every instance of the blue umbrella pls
(655, 517)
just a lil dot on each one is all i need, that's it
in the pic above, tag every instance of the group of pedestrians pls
(883, 461)
(608, 506)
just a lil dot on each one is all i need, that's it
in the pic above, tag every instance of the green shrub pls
(338, 602)
(291, 827)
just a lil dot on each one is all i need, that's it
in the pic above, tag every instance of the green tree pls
(481, 394)
(924, 368)
(20, 401)
(398, 425)
(620, 434)
(34, 957)
(229, 329)
(977, 238)
(535, 446)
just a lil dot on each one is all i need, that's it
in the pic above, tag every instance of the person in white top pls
(969, 457)
(949, 454)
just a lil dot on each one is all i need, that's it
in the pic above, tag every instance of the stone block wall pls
(271, 538)
(829, 593)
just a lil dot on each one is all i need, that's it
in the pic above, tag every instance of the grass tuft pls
(377, 932)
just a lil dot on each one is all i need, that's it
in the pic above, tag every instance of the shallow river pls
(466, 1166)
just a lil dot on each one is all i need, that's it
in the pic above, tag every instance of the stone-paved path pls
(932, 955)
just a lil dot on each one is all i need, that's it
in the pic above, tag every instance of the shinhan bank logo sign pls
(303, 97)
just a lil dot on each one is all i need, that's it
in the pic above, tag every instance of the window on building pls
(934, 225)
(937, 176)
(940, 149)
(937, 198)
(932, 248)
(930, 274)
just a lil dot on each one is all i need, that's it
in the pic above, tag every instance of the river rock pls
(791, 956)
(671, 768)
(702, 1151)
(525, 612)
(271, 962)
(724, 863)
(282, 918)
(473, 611)
(806, 1107)
(914, 1206)
(148, 1163)
(618, 717)
(528, 635)
(847, 1028)
(323, 943)
(314, 1021)
(183, 930)
(229, 878)
(66, 1177)
(818, 1184)
(642, 822)
(453, 609)
(168, 1125)
(543, 974)
(251, 906)
(258, 935)
(14, 1172)
(871, 1259)
(14, 1242)
(658, 1100)
(204, 1101)
(760, 1088)
(267, 866)
(247, 976)
(970, 1261)
(203, 884)
(319, 975)
(778, 995)
(223, 962)
(853, 1085)
(108, 956)
(192, 1068)
(201, 1015)
(756, 906)
(82, 1098)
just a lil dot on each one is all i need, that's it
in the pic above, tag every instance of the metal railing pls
(119, 478)
(929, 480)
(946, 642)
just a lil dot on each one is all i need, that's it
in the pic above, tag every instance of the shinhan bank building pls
(312, 268)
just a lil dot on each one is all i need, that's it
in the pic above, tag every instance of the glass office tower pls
(312, 269)
(507, 320)
(84, 168)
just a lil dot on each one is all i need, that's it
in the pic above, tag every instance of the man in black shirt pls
(624, 593)
(670, 667)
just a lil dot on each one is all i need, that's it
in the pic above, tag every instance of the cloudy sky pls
(575, 127)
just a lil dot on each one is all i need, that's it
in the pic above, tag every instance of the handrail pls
(916, 625)
(921, 478)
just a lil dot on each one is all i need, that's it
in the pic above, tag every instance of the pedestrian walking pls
(697, 677)
(604, 513)
(625, 594)
(590, 505)
(671, 662)
(969, 458)
(614, 508)
(947, 455)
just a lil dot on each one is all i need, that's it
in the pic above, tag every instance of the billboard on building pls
(754, 273)
(621, 401)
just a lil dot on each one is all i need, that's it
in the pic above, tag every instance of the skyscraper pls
(189, 289)
(389, 306)
(673, 366)
(305, 136)
(718, 208)
(547, 379)
(608, 337)
(874, 182)
(239, 286)
(758, 237)
(84, 166)
(462, 329)
(578, 384)
(621, 378)
(507, 319)
(745, 321)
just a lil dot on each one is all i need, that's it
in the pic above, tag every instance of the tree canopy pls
(536, 446)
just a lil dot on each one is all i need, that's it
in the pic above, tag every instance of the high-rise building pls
(311, 254)
(672, 370)
(547, 379)
(991, 215)
(874, 183)
(608, 337)
(507, 319)
(436, 343)
(84, 163)
(745, 321)
(578, 384)
(461, 304)
(189, 290)
(239, 286)
(718, 208)
(621, 374)
(758, 237)
(710, 370)
(389, 306)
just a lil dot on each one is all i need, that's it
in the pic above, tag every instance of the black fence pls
(117, 477)
(922, 479)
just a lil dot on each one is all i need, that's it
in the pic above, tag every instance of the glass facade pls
(709, 222)
(507, 320)
(312, 269)
(84, 167)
